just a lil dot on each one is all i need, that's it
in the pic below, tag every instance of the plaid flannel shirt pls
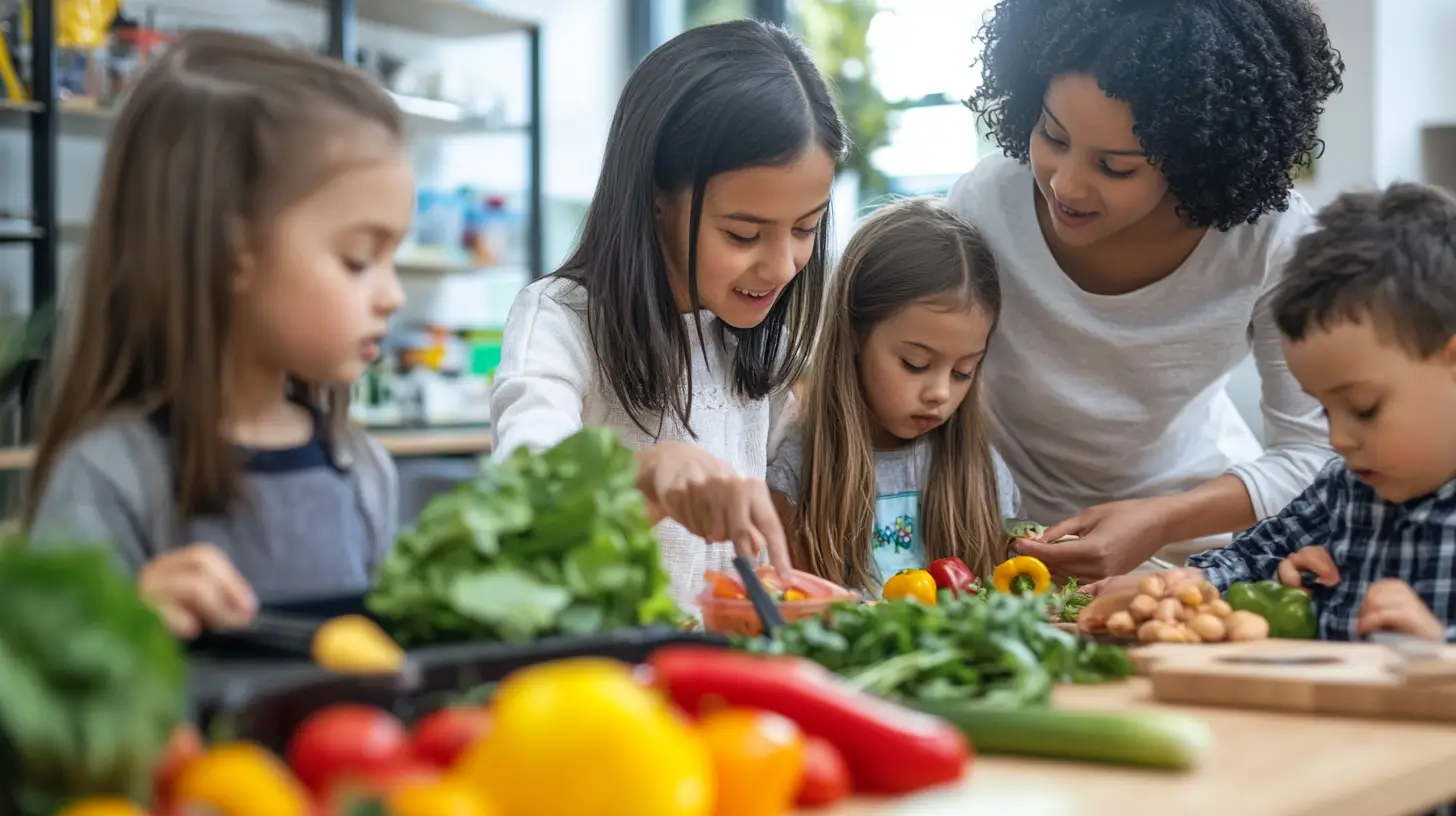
(1368, 538)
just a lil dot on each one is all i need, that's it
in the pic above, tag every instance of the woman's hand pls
(1113, 539)
(195, 588)
(704, 494)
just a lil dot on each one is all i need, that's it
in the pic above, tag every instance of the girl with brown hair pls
(237, 278)
(891, 466)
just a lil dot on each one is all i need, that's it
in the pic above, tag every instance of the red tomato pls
(826, 776)
(347, 741)
(439, 738)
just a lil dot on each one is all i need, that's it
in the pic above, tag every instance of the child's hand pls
(702, 493)
(196, 588)
(1309, 559)
(1393, 606)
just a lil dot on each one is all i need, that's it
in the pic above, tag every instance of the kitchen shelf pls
(437, 18)
(423, 117)
(413, 442)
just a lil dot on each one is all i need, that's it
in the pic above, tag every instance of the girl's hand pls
(702, 493)
(1113, 539)
(1392, 605)
(195, 588)
(1312, 559)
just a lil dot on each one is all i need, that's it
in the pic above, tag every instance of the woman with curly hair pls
(1141, 216)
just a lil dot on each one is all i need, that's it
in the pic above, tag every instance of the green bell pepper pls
(1289, 610)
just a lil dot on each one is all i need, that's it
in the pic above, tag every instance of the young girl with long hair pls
(891, 465)
(1142, 216)
(687, 310)
(237, 278)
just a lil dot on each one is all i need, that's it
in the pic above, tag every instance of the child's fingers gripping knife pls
(197, 588)
(1313, 560)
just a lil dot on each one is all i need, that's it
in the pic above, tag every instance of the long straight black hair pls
(711, 100)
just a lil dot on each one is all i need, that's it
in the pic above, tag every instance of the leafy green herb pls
(1022, 528)
(91, 682)
(540, 544)
(999, 648)
(1071, 600)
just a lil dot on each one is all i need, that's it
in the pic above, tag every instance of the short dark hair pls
(1386, 256)
(1226, 94)
(711, 100)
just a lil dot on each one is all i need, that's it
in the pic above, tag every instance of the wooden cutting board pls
(1314, 677)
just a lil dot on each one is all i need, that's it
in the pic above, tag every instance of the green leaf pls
(510, 600)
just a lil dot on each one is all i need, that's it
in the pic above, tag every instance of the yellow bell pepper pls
(911, 583)
(1022, 574)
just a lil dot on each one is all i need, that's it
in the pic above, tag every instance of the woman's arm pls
(1296, 434)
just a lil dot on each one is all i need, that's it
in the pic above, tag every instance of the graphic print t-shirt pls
(900, 475)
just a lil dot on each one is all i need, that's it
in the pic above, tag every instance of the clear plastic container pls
(734, 617)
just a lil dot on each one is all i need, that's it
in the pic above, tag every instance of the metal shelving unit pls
(454, 19)
(40, 117)
(46, 119)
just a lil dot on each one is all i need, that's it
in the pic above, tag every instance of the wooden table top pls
(1261, 764)
(462, 441)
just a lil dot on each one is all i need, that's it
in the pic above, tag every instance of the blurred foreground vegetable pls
(889, 749)
(91, 682)
(1151, 739)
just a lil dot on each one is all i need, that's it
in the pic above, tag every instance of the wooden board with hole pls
(1312, 677)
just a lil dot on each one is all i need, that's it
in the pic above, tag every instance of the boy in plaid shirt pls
(1368, 314)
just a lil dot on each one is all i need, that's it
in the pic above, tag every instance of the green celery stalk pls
(1149, 739)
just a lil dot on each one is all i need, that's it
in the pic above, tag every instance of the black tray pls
(265, 701)
(246, 646)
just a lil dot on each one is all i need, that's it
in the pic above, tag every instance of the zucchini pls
(1148, 739)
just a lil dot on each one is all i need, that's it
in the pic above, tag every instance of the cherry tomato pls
(440, 737)
(758, 761)
(826, 776)
(183, 746)
(347, 741)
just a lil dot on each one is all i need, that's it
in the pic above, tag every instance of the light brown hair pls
(219, 136)
(912, 251)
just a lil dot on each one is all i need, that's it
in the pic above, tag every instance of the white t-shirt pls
(548, 387)
(1098, 398)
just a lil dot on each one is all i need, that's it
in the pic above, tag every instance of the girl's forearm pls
(1221, 505)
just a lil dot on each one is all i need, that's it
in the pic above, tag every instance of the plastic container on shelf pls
(735, 617)
(439, 220)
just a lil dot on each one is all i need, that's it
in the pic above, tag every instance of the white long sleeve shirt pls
(548, 387)
(1098, 398)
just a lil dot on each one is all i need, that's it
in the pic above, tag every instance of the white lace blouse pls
(547, 387)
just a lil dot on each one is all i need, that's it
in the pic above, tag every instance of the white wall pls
(1400, 77)
(584, 65)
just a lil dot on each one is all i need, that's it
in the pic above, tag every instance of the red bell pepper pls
(889, 749)
(952, 574)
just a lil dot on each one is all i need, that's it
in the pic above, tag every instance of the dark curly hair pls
(1226, 94)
